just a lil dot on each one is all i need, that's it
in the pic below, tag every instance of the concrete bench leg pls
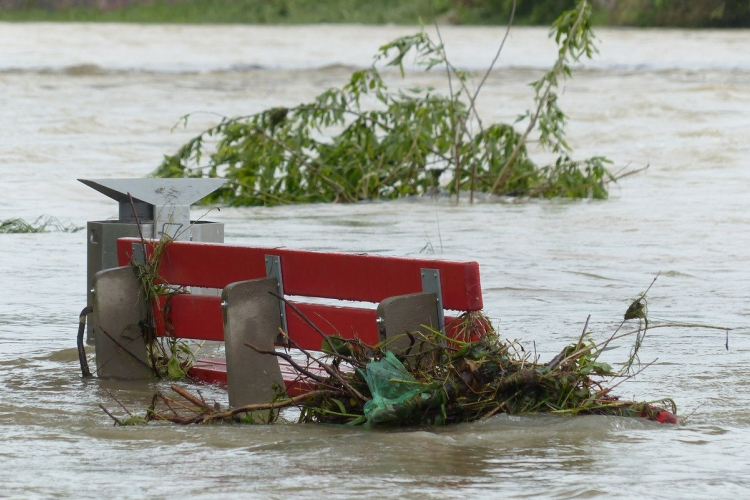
(251, 315)
(407, 313)
(119, 307)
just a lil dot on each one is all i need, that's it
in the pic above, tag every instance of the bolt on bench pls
(410, 294)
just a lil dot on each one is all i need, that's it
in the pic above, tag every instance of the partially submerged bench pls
(410, 294)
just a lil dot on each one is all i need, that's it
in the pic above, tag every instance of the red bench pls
(410, 292)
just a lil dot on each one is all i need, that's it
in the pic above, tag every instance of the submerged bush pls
(364, 141)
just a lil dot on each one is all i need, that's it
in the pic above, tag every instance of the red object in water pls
(363, 278)
(214, 371)
(665, 417)
(199, 317)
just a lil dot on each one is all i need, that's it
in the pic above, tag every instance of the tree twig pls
(185, 394)
(117, 420)
(505, 172)
(123, 348)
(289, 360)
(265, 406)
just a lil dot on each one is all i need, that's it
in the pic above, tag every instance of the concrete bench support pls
(251, 315)
(407, 313)
(119, 309)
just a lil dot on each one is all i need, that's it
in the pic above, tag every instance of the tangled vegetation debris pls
(43, 224)
(167, 356)
(440, 381)
(365, 141)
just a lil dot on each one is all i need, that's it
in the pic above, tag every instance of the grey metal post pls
(162, 206)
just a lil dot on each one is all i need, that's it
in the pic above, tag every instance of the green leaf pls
(341, 406)
(601, 368)
(134, 420)
(174, 369)
(336, 345)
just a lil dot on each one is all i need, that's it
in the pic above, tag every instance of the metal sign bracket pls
(137, 254)
(273, 270)
(431, 284)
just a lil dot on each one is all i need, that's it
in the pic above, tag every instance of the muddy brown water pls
(89, 101)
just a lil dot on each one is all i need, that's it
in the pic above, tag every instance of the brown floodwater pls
(93, 101)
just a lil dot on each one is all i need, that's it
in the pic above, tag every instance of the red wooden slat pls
(209, 373)
(196, 317)
(348, 322)
(199, 317)
(214, 371)
(294, 386)
(367, 278)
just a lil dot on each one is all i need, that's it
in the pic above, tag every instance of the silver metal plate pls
(273, 270)
(431, 284)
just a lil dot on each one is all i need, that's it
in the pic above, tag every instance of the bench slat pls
(196, 317)
(214, 371)
(367, 278)
(199, 317)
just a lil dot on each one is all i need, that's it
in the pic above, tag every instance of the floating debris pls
(43, 224)
(436, 381)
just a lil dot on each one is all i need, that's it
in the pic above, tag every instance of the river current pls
(100, 100)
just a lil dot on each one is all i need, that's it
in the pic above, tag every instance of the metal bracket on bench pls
(273, 270)
(431, 284)
(137, 254)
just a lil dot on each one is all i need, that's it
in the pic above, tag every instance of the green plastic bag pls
(396, 394)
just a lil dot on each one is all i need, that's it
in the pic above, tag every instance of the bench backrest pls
(352, 277)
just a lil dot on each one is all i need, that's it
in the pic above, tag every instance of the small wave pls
(72, 70)
(337, 67)
(591, 275)
(88, 69)
(83, 70)
(244, 68)
(513, 289)
(93, 69)
(677, 274)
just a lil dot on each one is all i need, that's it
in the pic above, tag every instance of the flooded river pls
(93, 101)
